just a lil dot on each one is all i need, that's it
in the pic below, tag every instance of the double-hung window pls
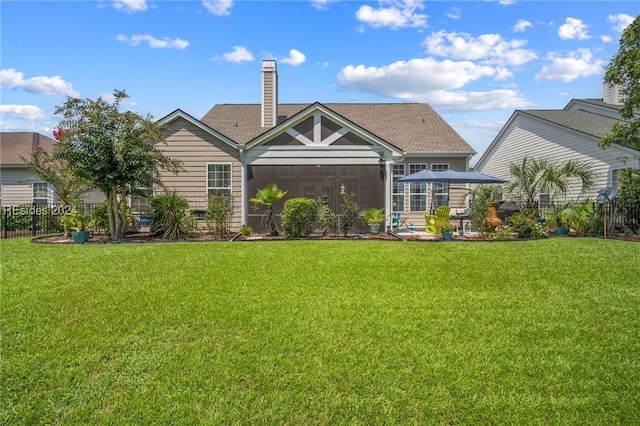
(440, 190)
(417, 190)
(41, 193)
(219, 179)
(398, 188)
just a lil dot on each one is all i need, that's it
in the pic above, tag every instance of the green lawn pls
(322, 332)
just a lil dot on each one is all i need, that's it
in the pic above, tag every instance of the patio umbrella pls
(451, 176)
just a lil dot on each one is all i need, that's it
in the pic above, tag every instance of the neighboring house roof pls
(591, 123)
(409, 127)
(597, 102)
(13, 145)
(582, 121)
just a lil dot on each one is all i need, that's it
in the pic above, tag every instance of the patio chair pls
(435, 221)
(398, 222)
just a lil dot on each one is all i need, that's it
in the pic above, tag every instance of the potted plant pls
(374, 217)
(77, 219)
(446, 230)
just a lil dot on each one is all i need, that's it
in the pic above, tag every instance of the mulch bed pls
(143, 237)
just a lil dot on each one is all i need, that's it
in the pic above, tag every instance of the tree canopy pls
(113, 151)
(624, 71)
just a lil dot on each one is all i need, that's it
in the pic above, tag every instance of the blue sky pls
(474, 62)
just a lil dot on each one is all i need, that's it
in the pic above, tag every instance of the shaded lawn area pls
(322, 332)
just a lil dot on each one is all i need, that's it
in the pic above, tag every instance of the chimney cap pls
(268, 64)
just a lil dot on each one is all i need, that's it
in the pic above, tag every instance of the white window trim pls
(49, 196)
(411, 184)
(393, 186)
(206, 181)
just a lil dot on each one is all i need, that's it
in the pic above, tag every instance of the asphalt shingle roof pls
(586, 122)
(16, 144)
(409, 127)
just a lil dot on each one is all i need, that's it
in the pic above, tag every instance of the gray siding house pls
(570, 133)
(19, 185)
(317, 150)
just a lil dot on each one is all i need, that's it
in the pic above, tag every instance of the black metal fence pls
(36, 220)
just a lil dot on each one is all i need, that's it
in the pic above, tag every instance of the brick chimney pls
(269, 109)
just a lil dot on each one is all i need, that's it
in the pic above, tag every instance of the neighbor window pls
(439, 190)
(219, 179)
(417, 190)
(398, 188)
(40, 193)
(140, 202)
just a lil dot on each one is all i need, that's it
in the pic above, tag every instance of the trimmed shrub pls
(298, 217)
(350, 213)
(327, 219)
(219, 213)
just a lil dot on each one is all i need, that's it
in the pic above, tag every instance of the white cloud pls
(398, 14)
(620, 21)
(491, 48)
(477, 101)
(405, 79)
(454, 13)
(238, 54)
(12, 79)
(606, 39)
(218, 7)
(580, 63)
(24, 112)
(322, 4)
(154, 43)
(573, 29)
(522, 25)
(295, 58)
(506, 2)
(130, 6)
(438, 83)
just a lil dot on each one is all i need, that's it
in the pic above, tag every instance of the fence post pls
(5, 225)
(34, 220)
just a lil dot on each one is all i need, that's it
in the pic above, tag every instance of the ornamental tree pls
(113, 151)
(624, 71)
(57, 172)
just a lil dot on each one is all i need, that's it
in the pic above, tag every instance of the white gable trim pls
(181, 114)
(317, 111)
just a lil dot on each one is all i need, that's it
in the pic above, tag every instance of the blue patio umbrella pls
(451, 176)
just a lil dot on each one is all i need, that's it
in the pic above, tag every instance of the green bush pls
(350, 213)
(170, 216)
(219, 213)
(18, 218)
(327, 219)
(100, 218)
(298, 217)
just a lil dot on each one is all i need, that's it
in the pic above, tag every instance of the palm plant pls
(532, 176)
(266, 197)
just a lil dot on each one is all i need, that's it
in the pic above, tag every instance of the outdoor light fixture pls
(343, 189)
(381, 162)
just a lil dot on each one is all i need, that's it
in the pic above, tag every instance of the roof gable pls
(404, 127)
(178, 113)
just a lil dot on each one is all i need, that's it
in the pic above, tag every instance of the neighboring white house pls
(570, 133)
